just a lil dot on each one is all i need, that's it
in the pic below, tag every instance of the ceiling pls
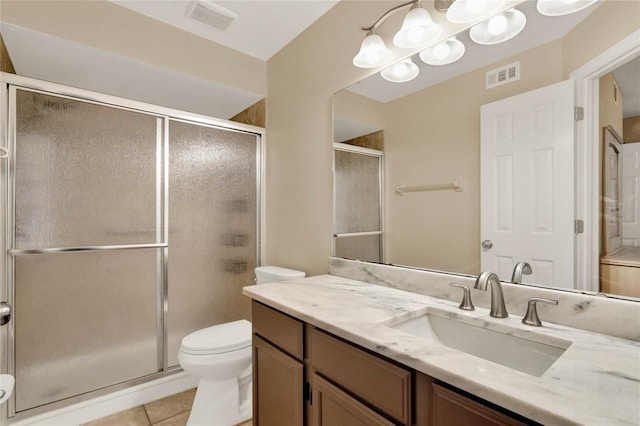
(262, 27)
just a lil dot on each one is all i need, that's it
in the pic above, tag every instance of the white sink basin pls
(471, 336)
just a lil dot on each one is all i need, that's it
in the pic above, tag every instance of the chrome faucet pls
(520, 268)
(498, 309)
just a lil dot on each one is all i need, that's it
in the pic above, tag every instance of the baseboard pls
(112, 403)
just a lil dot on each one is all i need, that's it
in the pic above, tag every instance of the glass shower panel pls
(356, 192)
(83, 321)
(85, 173)
(213, 227)
(365, 248)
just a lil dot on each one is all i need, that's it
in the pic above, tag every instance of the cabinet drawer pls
(377, 382)
(451, 408)
(279, 329)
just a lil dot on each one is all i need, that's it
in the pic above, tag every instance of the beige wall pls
(359, 108)
(631, 129)
(105, 25)
(301, 80)
(609, 23)
(610, 104)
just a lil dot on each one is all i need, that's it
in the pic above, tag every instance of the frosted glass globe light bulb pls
(475, 6)
(373, 56)
(415, 34)
(399, 70)
(498, 24)
(441, 50)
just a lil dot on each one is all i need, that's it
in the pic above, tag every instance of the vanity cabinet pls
(278, 368)
(305, 376)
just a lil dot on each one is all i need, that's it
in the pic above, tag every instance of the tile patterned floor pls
(171, 411)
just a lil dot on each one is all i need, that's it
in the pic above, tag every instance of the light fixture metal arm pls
(388, 13)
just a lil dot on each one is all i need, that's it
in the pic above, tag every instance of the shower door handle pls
(5, 313)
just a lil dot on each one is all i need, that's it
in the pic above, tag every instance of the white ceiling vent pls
(212, 14)
(503, 75)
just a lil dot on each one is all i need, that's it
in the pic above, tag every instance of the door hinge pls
(307, 393)
(578, 226)
(578, 113)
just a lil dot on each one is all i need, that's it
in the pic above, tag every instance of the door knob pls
(487, 244)
(5, 313)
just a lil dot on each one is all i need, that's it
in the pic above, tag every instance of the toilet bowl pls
(220, 357)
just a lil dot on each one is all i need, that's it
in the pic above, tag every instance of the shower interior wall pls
(128, 226)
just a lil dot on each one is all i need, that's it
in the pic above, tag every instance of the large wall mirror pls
(436, 132)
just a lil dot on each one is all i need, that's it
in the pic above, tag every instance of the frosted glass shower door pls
(86, 247)
(213, 199)
(357, 208)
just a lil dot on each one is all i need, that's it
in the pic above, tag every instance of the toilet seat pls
(218, 339)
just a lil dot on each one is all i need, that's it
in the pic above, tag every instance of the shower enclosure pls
(125, 227)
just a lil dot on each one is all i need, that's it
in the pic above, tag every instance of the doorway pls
(588, 158)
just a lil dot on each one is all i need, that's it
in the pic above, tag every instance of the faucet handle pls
(531, 317)
(466, 304)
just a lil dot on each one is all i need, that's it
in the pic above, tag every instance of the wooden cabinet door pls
(331, 407)
(277, 387)
(450, 408)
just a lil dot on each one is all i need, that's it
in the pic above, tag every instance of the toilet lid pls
(227, 337)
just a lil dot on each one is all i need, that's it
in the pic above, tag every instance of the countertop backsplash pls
(600, 314)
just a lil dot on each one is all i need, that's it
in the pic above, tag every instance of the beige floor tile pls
(179, 420)
(133, 417)
(170, 406)
(247, 423)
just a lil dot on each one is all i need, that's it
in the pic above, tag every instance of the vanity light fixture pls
(562, 7)
(499, 28)
(466, 11)
(443, 53)
(418, 29)
(401, 72)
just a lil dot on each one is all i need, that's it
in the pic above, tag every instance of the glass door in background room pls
(357, 203)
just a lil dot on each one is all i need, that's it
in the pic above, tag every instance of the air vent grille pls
(503, 75)
(212, 14)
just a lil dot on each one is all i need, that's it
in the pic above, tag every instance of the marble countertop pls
(596, 381)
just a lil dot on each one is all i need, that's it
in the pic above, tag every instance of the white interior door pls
(631, 194)
(527, 185)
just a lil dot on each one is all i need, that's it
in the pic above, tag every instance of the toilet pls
(220, 357)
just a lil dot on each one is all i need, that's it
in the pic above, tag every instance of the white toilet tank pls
(269, 274)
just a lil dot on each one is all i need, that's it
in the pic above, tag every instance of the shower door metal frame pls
(9, 83)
